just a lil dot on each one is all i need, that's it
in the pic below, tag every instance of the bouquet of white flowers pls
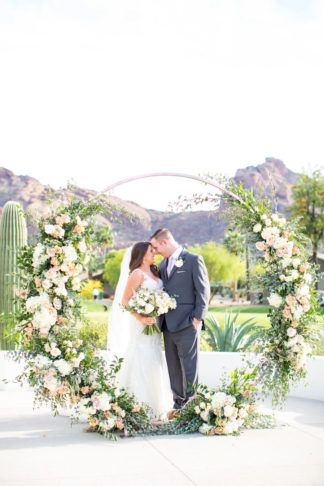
(150, 303)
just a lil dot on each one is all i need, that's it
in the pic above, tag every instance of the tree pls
(104, 238)
(308, 207)
(112, 266)
(223, 267)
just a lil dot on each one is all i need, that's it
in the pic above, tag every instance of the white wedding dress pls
(144, 370)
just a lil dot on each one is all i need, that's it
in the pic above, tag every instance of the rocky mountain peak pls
(271, 178)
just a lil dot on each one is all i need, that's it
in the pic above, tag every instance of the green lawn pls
(98, 321)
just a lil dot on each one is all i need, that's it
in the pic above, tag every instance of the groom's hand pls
(197, 324)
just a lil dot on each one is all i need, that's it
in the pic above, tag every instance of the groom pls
(184, 277)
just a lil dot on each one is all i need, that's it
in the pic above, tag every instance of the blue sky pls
(94, 90)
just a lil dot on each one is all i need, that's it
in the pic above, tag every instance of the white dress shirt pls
(173, 258)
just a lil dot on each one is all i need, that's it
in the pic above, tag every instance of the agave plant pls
(232, 336)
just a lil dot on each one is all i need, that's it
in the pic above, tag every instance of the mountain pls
(272, 178)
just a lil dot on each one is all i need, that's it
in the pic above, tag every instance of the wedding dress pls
(144, 371)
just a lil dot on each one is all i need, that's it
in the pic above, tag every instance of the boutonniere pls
(179, 263)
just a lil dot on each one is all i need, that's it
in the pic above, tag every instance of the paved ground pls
(37, 449)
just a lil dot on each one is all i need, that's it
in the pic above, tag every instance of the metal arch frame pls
(170, 174)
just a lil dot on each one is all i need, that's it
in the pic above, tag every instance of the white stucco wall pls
(212, 366)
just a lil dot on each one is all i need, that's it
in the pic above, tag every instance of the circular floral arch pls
(64, 370)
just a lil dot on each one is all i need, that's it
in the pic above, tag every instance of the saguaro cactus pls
(13, 236)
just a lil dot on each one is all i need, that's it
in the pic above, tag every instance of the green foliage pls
(112, 266)
(87, 289)
(103, 236)
(13, 237)
(235, 242)
(231, 337)
(94, 334)
(308, 207)
(222, 266)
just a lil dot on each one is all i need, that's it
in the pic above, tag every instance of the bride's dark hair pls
(137, 256)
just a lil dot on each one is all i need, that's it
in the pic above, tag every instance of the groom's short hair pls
(162, 234)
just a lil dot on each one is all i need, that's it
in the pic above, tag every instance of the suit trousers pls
(181, 352)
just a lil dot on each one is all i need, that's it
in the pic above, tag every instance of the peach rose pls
(260, 245)
(291, 299)
(54, 261)
(119, 424)
(93, 421)
(295, 250)
(78, 229)
(287, 312)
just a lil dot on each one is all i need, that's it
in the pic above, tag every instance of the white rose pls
(228, 410)
(55, 352)
(51, 383)
(303, 290)
(57, 303)
(149, 308)
(70, 253)
(257, 228)
(61, 290)
(42, 361)
(49, 229)
(204, 415)
(291, 332)
(63, 366)
(46, 284)
(218, 399)
(104, 401)
(37, 301)
(44, 320)
(275, 300)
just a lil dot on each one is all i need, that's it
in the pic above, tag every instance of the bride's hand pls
(147, 321)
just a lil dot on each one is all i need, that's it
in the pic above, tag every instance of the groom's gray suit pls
(190, 286)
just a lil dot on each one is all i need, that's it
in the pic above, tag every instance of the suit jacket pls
(189, 285)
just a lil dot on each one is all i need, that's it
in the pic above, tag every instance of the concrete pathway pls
(37, 449)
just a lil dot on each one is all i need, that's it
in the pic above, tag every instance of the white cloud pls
(96, 90)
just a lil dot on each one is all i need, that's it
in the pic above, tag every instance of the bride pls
(144, 371)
